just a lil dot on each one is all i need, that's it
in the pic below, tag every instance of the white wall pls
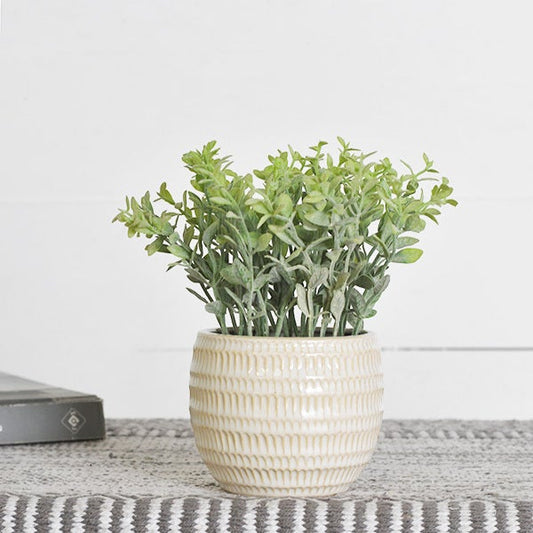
(99, 99)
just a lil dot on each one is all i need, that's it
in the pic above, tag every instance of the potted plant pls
(285, 396)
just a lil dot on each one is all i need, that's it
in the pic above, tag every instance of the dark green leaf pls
(199, 296)
(365, 282)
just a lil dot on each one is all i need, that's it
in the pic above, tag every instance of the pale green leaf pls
(319, 276)
(337, 304)
(407, 255)
(263, 242)
(217, 308)
(403, 242)
(301, 296)
(318, 218)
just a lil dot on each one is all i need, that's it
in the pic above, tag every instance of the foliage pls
(302, 246)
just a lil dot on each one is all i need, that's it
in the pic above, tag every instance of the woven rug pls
(426, 476)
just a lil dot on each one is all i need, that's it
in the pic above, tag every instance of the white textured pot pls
(287, 416)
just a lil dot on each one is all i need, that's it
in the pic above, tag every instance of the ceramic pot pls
(286, 416)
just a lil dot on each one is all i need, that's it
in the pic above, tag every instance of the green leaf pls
(402, 242)
(263, 242)
(387, 229)
(318, 277)
(374, 240)
(281, 234)
(407, 255)
(357, 301)
(262, 220)
(188, 234)
(301, 298)
(356, 269)
(235, 298)
(365, 282)
(333, 255)
(441, 192)
(179, 251)
(370, 313)
(314, 197)
(414, 223)
(218, 200)
(155, 246)
(259, 206)
(146, 204)
(284, 205)
(261, 280)
(353, 320)
(170, 266)
(337, 304)
(164, 194)
(372, 295)
(217, 308)
(318, 218)
(209, 233)
(274, 275)
(431, 217)
(341, 280)
(196, 276)
(236, 274)
(199, 296)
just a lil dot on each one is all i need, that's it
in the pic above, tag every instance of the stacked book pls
(35, 412)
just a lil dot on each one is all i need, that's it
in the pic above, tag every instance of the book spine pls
(52, 421)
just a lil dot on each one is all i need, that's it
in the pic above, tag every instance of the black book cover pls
(35, 412)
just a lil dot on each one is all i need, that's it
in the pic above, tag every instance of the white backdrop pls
(99, 99)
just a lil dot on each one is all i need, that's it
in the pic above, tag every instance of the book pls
(35, 412)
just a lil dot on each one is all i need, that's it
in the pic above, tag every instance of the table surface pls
(147, 476)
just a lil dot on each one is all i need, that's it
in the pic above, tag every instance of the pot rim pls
(212, 332)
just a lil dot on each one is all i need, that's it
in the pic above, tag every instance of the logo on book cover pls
(73, 420)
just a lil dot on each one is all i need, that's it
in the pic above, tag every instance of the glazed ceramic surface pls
(286, 416)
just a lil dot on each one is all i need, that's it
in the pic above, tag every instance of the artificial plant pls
(299, 248)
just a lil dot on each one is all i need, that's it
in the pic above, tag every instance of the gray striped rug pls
(426, 476)
(103, 513)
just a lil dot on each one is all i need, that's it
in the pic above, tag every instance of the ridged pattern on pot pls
(286, 416)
